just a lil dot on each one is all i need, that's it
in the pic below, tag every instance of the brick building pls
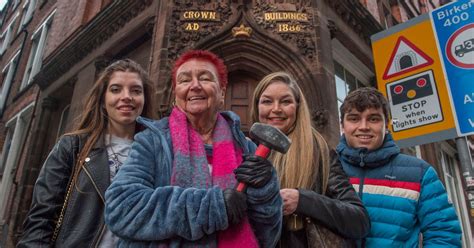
(52, 50)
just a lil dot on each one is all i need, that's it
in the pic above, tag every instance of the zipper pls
(93, 183)
(102, 226)
(101, 234)
(362, 179)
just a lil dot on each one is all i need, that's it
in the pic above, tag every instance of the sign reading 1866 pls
(287, 22)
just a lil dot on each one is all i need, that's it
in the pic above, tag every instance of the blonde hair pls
(309, 153)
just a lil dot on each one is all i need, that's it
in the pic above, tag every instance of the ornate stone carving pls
(320, 118)
(332, 28)
(241, 31)
(181, 39)
(294, 31)
(357, 17)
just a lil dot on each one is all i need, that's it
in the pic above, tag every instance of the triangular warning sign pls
(405, 57)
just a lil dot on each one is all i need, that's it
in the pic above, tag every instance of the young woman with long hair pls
(316, 193)
(67, 207)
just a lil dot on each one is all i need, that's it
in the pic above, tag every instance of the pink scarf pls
(190, 169)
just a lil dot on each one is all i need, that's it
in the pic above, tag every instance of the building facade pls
(52, 51)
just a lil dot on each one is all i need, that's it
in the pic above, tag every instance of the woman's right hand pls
(254, 171)
(290, 200)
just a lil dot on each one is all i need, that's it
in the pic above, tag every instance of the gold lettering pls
(191, 26)
(287, 28)
(285, 16)
(199, 15)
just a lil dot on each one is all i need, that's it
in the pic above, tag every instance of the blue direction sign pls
(454, 29)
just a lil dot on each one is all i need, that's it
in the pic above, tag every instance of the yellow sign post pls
(409, 73)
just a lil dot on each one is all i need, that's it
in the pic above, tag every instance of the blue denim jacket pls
(144, 210)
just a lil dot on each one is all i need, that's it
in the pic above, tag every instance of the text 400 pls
(456, 19)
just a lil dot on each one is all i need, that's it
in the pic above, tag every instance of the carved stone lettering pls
(192, 21)
(293, 27)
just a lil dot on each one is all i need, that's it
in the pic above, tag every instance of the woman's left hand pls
(290, 200)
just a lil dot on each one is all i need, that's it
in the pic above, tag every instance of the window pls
(350, 72)
(15, 3)
(7, 80)
(345, 82)
(36, 54)
(455, 190)
(7, 35)
(16, 133)
(27, 12)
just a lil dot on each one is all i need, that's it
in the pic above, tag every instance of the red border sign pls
(449, 44)
(429, 60)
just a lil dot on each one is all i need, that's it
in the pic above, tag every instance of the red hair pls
(202, 55)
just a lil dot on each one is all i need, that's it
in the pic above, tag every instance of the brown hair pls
(362, 99)
(309, 153)
(93, 120)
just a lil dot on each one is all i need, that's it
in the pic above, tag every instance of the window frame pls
(8, 79)
(350, 63)
(27, 13)
(7, 34)
(35, 58)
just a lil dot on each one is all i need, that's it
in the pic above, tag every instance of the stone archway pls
(248, 61)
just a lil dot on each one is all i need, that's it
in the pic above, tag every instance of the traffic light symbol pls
(411, 89)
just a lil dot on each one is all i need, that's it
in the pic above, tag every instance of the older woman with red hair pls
(177, 187)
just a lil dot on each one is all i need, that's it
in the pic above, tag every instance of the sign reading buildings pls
(287, 22)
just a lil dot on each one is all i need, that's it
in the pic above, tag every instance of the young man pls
(403, 194)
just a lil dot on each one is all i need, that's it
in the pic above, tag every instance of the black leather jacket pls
(83, 223)
(339, 210)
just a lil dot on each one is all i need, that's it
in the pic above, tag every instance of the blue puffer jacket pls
(145, 211)
(403, 196)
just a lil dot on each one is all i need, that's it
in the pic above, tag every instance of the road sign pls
(454, 30)
(414, 100)
(406, 57)
(410, 74)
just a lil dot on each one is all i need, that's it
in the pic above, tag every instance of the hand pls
(235, 204)
(290, 200)
(254, 171)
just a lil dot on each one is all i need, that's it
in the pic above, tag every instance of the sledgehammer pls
(269, 138)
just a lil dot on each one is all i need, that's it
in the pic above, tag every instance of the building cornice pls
(357, 17)
(109, 21)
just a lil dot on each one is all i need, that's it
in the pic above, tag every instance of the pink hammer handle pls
(263, 152)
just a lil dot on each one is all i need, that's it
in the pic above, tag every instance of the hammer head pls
(270, 137)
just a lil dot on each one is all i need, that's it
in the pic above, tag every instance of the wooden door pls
(239, 96)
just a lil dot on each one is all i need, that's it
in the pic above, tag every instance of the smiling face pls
(277, 106)
(364, 129)
(123, 100)
(197, 90)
